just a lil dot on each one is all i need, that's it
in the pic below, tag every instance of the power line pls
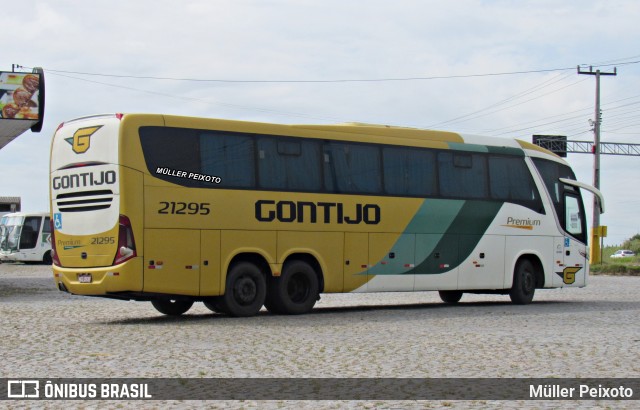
(535, 98)
(511, 128)
(349, 80)
(336, 80)
(547, 83)
(206, 101)
(499, 103)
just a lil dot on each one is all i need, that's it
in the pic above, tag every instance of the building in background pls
(9, 204)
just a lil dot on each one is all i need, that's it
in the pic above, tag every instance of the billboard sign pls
(21, 103)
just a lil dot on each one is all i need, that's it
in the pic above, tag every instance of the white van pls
(25, 237)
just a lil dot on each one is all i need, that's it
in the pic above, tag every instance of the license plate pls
(85, 278)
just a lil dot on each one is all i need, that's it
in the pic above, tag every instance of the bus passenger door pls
(172, 261)
(574, 249)
(558, 261)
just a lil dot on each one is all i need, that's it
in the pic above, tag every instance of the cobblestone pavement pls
(592, 332)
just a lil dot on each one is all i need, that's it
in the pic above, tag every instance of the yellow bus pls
(241, 215)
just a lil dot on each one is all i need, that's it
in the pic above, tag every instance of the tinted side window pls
(230, 157)
(511, 181)
(171, 148)
(30, 232)
(462, 175)
(352, 168)
(172, 154)
(409, 172)
(47, 225)
(289, 164)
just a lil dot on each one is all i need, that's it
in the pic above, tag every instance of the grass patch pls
(615, 269)
(620, 266)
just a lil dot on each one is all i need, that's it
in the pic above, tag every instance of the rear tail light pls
(126, 243)
(54, 253)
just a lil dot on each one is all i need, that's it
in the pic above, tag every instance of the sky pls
(280, 62)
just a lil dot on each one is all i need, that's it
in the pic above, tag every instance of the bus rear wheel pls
(246, 290)
(295, 291)
(172, 307)
(216, 305)
(524, 283)
(450, 296)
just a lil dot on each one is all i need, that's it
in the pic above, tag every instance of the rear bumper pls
(127, 277)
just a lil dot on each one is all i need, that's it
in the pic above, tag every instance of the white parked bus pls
(25, 237)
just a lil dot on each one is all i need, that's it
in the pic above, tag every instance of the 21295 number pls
(185, 208)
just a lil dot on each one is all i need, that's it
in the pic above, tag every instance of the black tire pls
(524, 283)
(216, 305)
(46, 259)
(172, 307)
(246, 290)
(450, 296)
(270, 302)
(295, 291)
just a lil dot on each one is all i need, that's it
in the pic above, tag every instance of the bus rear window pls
(179, 155)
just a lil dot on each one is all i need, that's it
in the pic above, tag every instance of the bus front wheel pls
(172, 307)
(450, 296)
(246, 290)
(524, 283)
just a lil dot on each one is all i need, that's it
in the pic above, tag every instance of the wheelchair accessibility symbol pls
(57, 220)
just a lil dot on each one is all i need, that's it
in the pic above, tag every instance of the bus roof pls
(362, 132)
(26, 214)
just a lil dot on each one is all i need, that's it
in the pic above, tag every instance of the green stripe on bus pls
(468, 147)
(442, 242)
(459, 241)
(516, 152)
(434, 216)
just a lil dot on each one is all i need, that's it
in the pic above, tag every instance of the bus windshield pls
(10, 233)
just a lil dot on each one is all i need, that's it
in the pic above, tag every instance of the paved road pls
(591, 332)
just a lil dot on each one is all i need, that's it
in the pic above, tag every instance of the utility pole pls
(596, 229)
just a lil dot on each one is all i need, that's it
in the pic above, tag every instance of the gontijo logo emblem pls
(81, 140)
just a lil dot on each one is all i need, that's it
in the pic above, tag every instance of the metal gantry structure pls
(563, 147)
